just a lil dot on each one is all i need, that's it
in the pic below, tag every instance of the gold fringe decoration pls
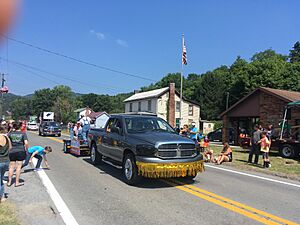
(160, 170)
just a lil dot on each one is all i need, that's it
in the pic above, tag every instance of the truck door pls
(116, 140)
(106, 140)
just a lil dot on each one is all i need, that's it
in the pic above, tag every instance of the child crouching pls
(39, 153)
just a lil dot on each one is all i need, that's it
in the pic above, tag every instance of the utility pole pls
(1, 105)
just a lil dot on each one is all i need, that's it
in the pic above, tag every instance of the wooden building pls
(263, 106)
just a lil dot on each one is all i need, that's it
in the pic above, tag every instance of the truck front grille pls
(176, 150)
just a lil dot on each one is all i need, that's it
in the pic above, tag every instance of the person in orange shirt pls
(265, 148)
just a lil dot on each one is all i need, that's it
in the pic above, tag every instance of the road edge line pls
(61, 206)
(252, 175)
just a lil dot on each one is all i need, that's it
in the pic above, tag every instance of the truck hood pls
(160, 137)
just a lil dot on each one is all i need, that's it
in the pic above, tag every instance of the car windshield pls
(52, 124)
(146, 124)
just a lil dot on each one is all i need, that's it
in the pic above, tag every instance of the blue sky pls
(142, 38)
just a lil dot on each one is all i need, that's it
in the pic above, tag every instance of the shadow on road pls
(145, 182)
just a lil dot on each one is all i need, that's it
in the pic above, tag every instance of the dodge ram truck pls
(145, 146)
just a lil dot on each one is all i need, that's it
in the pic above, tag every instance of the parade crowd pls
(16, 153)
(260, 145)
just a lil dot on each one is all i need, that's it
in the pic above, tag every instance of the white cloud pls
(98, 35)
(122, 43)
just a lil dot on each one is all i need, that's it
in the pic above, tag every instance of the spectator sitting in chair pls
(209, 155)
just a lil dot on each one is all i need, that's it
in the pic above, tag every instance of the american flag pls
(184, 59)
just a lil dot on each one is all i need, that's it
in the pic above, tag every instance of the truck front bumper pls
(153, 167)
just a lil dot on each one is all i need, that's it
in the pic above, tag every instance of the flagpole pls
(181, 84)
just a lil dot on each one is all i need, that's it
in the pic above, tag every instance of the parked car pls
(216, 135)
(49, 128)
(32, 126)
(145, 146)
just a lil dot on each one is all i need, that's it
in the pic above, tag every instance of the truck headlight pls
(146, 150)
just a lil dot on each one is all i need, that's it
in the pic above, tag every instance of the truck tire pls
(130, 171)
(96, 157)
(287, 151)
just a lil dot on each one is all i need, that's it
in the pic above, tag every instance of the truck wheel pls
(96, 157)
(59, 135)
(287, 151)
(130, 171)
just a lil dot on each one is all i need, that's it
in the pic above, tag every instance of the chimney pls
(136, 91)
(171, 116)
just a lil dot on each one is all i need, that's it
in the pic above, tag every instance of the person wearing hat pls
(193, 132)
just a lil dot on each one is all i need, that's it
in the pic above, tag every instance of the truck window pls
(118, 124)
(162, 125)
(109, 124)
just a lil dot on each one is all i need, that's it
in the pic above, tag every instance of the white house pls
(206, 126)
(82, 112)
(99, 119)
(165, 102)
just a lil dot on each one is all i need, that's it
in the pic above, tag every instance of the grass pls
(8, 214)
(287, 168)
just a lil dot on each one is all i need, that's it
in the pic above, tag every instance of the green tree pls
(211, 94)
(43, 100)
(21, 108)
(64, 103)
(295, 53)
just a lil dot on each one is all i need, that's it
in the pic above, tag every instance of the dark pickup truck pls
(145, 146)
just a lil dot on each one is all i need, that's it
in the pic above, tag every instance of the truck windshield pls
(146, 124)
(53, 124)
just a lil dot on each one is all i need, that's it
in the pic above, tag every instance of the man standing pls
(255, 148)
(85, 123)
(193, 132)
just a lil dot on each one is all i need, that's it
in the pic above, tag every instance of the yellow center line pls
(55, 139)
(249, 208)
(234, 206)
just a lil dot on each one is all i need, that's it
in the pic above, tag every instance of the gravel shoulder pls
(32, 203)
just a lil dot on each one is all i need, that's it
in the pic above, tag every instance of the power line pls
(78, 60)
(59, 75)
(40, 76)
(36, 74)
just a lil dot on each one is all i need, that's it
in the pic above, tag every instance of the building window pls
(149, 105)
(191, 110)
(178, 122)
(130, 107)
(177, 106)
(140, 107)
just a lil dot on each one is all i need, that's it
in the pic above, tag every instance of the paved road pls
(97, 195)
